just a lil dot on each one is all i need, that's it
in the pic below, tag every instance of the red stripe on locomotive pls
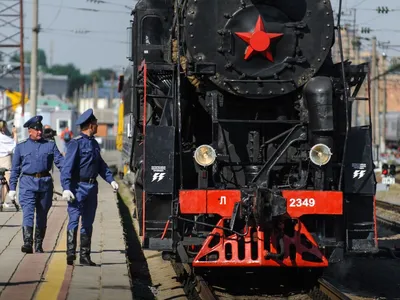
(299, 202)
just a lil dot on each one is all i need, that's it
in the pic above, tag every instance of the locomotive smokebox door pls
(359, 175)
(159, 159)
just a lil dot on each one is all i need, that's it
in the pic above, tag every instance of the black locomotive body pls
(242, 143)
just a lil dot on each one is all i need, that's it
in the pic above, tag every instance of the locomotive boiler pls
(239, 128)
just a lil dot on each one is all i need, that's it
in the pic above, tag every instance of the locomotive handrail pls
(259, 80)
(259, 121)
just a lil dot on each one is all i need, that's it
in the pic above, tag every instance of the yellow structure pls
(15, 98)
(120, 130)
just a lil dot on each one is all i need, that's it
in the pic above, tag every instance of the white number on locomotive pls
(308, 202)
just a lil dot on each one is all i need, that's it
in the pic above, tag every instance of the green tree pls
(75, 79)
(42, 58)
(103, 74)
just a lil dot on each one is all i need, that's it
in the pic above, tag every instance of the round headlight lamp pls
(320, 154)
(205, 155)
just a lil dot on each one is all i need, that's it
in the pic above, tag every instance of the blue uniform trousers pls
(39, 198)
(85, 206)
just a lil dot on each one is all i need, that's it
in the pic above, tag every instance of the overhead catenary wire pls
(100, 39)
(56, 15)
(87, 9)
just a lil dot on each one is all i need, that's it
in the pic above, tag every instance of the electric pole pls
(354, 48)
(374, 106)
(111, 90)
(384, 109)
(355, 111)
(51, 53)
(34, 58)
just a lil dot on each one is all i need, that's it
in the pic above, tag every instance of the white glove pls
(114, 184)
(68, 196)
(12, 195)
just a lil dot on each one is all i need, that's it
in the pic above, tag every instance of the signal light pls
(385, 170)
(392, 170)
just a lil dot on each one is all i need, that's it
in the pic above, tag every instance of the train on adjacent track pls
(237, 135)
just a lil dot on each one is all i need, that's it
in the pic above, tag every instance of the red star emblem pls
(258, 40)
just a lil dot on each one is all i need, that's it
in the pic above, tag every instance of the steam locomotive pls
(238, 134)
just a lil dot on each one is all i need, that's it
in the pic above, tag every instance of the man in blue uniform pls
(83, 163)
(31, 164)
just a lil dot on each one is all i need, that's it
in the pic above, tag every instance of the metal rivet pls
(319, 59)
(329, 25)
(191, 24)
(270, 92)
(324, 48)
(191, 35)
(282, 89)
(327, 37)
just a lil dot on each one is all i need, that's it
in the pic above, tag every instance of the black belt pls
(88, 180)
(38, 175)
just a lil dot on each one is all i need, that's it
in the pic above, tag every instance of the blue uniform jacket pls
(83, 160)
(34, 157)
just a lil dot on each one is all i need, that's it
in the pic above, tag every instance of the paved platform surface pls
(46, 275)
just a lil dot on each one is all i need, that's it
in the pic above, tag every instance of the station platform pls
(46, 275)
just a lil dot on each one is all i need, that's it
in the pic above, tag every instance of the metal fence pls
(107, 143)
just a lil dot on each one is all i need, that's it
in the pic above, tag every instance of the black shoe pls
(86, 261)
(39, 237)
(71, 246)
(27, 233)
(85, 251)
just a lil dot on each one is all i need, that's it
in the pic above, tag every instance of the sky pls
(106, 45)
(386, 27)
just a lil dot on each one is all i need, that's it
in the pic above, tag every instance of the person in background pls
(7, 146)
(83, 163)
(66, 136)
(48, 133)
(31, 164)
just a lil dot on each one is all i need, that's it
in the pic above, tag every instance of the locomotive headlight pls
(320, 154)
(205, 155)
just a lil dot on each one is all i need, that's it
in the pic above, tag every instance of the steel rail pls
(330, 291)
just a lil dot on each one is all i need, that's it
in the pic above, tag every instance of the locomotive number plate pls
(388, 180)
(307, 202)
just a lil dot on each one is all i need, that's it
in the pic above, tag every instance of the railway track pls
(326, 290)
(199, 287)
(388, 206)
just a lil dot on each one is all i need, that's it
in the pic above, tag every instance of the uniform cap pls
(34, 122)
(87, 116)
